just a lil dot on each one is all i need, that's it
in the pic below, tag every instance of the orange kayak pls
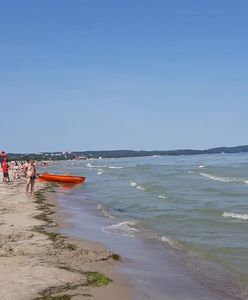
(62, 178)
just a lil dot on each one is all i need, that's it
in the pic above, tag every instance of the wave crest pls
(127, 228)
(114, 167)
(104, 211)
(138, 187)
(235, 215)
(223, 179)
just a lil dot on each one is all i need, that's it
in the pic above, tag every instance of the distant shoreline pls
(122, 153)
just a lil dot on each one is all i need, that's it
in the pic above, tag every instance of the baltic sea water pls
(179, 219)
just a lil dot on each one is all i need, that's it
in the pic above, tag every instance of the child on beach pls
(30, 175)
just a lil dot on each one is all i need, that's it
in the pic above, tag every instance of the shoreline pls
(156, 270)
(43, 257)
(39, 263)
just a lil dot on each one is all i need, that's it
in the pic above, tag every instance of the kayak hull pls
(62, 178)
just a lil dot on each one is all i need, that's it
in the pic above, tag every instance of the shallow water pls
(190, 212)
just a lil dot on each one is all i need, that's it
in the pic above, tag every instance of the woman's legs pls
(32, 187)
(28, 184)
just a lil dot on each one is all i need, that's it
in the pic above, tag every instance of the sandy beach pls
(37, 262)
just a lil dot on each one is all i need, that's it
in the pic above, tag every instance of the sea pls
(180, 223)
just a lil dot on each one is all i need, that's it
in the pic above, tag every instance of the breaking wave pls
(235, 216)
(138, 187)
(113, 167)
(223, 179)
(127, 228)
(104, 211)
(89, 165)
(167, 240)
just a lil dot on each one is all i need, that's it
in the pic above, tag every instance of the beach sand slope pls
(37, 262)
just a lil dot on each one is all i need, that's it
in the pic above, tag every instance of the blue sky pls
(133, 74)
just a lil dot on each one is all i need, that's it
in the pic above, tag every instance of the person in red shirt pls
(5, 168)
(3, 155)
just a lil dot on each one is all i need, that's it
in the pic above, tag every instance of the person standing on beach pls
(30, 172)
(2, 157)
(15, 169)
(5, 170)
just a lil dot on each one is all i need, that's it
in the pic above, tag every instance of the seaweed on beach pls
(97, 279)
(53, 236)
(63, 297)
(70, 246)
(116, 257)
(43, 217)
(92, 279)
(45, 209)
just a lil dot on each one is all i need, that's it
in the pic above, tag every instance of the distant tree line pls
(120, 153)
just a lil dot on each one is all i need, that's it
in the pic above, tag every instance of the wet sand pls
(37, 262)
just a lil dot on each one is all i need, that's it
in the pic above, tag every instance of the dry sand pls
(38, 263)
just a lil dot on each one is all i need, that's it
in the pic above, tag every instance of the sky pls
(134, 74)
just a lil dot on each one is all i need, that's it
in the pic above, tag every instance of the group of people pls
(18, 169)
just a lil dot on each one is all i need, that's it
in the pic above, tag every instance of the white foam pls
(127, 228)
(138, 187)
(168, 240)
(94, 166)
(202, 166)
(104, 211)
(100, 171)
(141, 188)
(162, 197)
(235, 216)
(223, 179)
(113, 167)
